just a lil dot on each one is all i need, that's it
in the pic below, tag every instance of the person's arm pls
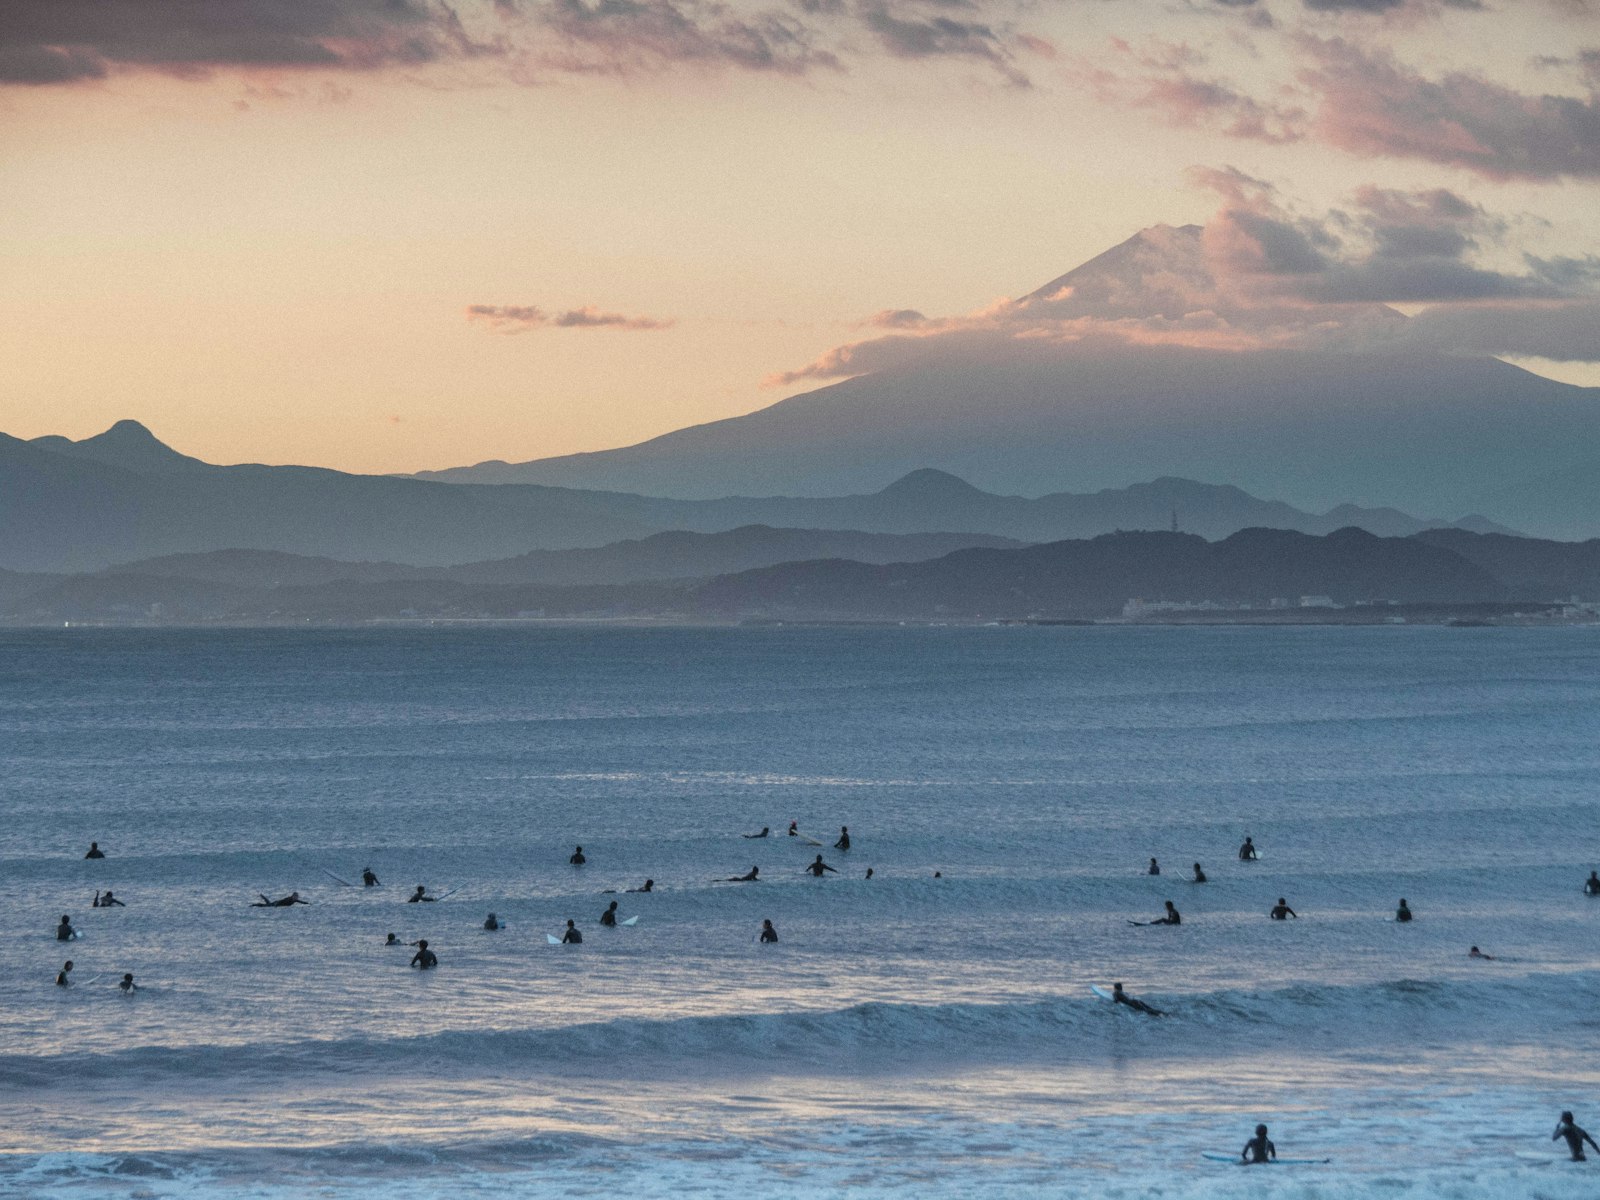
(826, 867)
(1589, 1139)
(1272, 1151)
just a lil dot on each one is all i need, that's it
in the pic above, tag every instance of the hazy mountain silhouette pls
(1415, 430)
(129, 498)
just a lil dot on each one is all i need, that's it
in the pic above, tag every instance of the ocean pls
(926, 1032)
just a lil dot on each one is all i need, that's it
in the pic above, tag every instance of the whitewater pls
(927, 1031)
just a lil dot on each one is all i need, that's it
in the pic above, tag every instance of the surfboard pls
(629, 921)
(1101, 992)
(1272, 1162)
(552, 939)
(336, 878)
(447, 895)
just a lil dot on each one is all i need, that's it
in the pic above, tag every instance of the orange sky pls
(275, 263)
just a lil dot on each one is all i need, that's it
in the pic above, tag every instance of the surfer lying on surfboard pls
(1122, 997)
(288, 901)
(1172, 917)
(750, 878)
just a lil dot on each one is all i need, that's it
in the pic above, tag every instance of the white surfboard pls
(447, 895)
(552, 939)
(1101, 992)
(336, 878)
(629, 921)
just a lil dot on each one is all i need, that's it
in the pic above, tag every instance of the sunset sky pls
(388, 235)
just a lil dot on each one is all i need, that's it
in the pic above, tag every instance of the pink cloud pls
(520, 318)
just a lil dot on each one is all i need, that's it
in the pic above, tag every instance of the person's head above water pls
(422, 943)
(569, 923)
(1566, 1117)
(1261, 1129)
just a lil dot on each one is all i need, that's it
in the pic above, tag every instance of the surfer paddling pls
(766, 831)
(288, 901)
(1259, 1149)
(749, 878)
(649, 886)
(1575, 1135)
(1122, 997)
(107, 901)
(1476, 953)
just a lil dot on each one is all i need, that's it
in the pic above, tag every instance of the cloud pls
(609, 36)
(520, 318)
(62, 41)
(909, 35)
(1261, 276)
(1370, 104)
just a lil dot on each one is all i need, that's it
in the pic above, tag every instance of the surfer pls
(368, 879)
(577, 858)
(392, 941)
(1199, 875)
(1403, 913)
(1171, 917)
(1259, 1149)
(649, 886)
(1247, 852)
(1155, 868)
(1575, 1135)
(288, 901)
(1122, 997)
(765, 831)
(127, 985)
(571, 937)
(61, 975)
(818, 867)
(1281, 909)
(609, 917)
(844, 838)
(750, 878)
(1591, 885)
(64, 931)
(768, 933)
(1476, 953)
(107, 901)
(424, 959)
(492, 922)
(794, 828)
(95, 851)
(869, 872)
(419, 896)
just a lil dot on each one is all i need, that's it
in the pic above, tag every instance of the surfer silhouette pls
(492, 922)
(609, 917)
(64, 931)
(107, 901)
(95, 851)
(1575, 1136)
(424, 959)
(1281, 909)
(61, 975)
(750, 878)
(127, 985)
(1171, 917)
(419, 897)
(1247, 852)
(1122, 997)
(392, 941)
(765, 831)
(288, 901)
(577, 858)
(368, 879)
(818, 867)
(1155, 868)
(1403, 913)
(1591, 885)
(1476, 953)
(844, 838)
(768, 933)
(649, 886)
(1199, 875)
(1259, 1149)
(571, 937)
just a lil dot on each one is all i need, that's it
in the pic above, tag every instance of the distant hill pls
(1528, 566)
(124, 496)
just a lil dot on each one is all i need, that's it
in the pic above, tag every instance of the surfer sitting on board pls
(492, 922)
(1172, 917)
(794, 828)
(1247, 852)
(424, 959)
(107, 901)
(288, 901)
(768, 933)
(1259, 1149)
(750, 878)
(609, 917)
(1403, 913)
(1155, 868)
(1575, 1136)
(818, 867)
(127, 985)
(1281, 909)
(418, 896)
(95, 851)
(571, 937)
(765, 832)
(368, 879)
(844, 838)
(61, 975)
(64, 931)
(1199, 875)
(577, 858)
(1591, 885)
(1122, 997)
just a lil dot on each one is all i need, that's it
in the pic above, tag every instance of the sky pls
(395, 235)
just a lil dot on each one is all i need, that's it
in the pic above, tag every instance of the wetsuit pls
(286, 902)
(1155, 868)
(844, 840)
(750, 878)
(1575, 1136)
(424, 959)
(1247, 852)
(818, 867)
(1402, 913)
(764, 832)
(768, 933)
(95, 851)
(577, 858)
(1280, 910)
(1199, 875)
(417, 897)
(491, 922)
(110, 901)
(1259, 1150)
(61, 976)
(65, 932)
(571, 937)
(649, 886)
(127, 984)
(1591, 885)
(1122, 997)
(368, 879)
(609, 917)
